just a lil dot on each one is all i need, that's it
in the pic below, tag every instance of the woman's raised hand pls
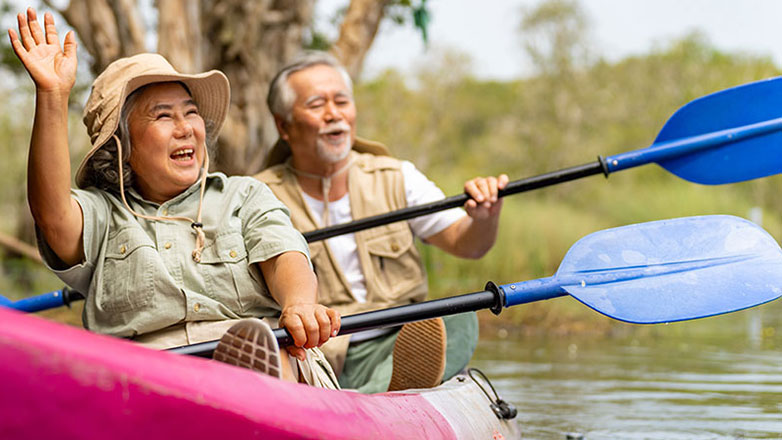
(52, 68)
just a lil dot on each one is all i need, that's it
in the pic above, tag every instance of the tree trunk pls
(250, 41)
(108, 29)
(181, 45)
(357, 33)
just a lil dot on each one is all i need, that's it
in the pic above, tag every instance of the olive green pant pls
(368, 364)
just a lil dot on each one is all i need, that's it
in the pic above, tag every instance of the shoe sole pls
(250, 344)
(419, 355)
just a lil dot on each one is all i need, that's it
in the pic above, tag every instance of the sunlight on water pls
(715, 378)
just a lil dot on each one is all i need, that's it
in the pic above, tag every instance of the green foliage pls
(317, 41)
(402, 11)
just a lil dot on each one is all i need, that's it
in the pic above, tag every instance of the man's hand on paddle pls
(484, 202)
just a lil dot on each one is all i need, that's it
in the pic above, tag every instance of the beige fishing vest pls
(393, 271)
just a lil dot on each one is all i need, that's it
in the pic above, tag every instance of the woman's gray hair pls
(102, 167)
(281, 95)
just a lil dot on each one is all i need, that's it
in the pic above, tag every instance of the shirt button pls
(196, 307)
(394, 247)
(165, 211)
(167, 245)
(122, 249)
(232, 254)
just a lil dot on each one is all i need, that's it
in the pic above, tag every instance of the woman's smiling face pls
(168, 139)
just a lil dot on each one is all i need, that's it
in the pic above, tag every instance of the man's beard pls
(327, 151)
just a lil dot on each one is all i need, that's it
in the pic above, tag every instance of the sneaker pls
(250, 343)
(419, 355)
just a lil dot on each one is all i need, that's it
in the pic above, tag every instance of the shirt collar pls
(215, 180)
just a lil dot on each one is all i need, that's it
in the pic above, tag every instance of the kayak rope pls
(502, 409)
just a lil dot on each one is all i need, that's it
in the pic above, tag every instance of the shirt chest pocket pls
(226, 273)
(395, 263)
(129, 271)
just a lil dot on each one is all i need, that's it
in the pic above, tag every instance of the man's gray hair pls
(281, 95)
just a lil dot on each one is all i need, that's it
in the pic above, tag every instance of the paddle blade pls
(674, 270)
(746, 159)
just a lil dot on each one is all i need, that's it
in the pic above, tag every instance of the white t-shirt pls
(418, 191)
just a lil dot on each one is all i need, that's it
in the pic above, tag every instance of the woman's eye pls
(163, 115)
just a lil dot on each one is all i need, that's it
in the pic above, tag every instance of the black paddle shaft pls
(514, 187)
(517, 186)
(492, 298)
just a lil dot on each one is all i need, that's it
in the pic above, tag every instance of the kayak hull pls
(63, 382)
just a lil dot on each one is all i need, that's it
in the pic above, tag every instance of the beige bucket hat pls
(210, 91)
(281, 151)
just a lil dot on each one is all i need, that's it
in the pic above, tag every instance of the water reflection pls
(718, 378)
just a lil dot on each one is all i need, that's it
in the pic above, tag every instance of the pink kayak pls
(67, 383)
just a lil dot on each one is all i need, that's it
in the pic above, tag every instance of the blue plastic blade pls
(674, 270)
(742, 106)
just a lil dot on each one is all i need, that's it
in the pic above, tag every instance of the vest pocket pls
(128, 272)
(395, 263)
(226, 273)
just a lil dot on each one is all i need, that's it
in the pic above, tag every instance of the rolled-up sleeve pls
(95, 213)
(268, 231)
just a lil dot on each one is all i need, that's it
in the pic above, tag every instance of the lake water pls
(715, 378)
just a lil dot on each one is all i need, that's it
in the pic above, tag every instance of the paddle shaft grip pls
(517, 186)
(531, 291)
(45, 301)
(395, 316)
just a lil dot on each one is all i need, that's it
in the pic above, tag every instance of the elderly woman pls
(166, 253)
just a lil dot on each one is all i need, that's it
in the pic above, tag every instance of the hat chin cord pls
(196, 224)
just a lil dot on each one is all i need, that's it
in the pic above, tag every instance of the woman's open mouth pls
(183, 154)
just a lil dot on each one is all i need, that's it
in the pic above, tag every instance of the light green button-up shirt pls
(139, 276)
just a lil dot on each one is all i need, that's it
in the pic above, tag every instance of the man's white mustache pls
(336, 126)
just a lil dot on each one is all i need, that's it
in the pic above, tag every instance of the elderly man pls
(327, 176)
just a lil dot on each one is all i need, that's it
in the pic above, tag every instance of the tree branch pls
(19, 247)
(357, 33)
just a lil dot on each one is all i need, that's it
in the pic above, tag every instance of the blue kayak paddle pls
(726, 137)
(662, 271)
